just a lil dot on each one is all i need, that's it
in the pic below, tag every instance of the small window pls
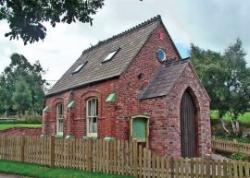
(59, 119)
(111, 98)
(79, 67)
(161, 55)
(110, 56)
(92, 116)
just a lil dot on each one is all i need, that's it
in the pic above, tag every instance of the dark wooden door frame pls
(188, 125)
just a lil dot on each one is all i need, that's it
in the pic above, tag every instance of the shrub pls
(239, 157)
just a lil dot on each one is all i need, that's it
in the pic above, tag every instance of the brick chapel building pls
(135, 86)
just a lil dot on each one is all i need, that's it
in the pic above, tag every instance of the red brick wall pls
(157, 110)
(171, 140)
(129, 85)
(113, 119)
(76, 116)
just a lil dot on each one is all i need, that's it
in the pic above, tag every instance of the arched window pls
(59, 119)
(92, 117)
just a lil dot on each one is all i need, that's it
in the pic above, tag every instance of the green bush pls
(239, 157)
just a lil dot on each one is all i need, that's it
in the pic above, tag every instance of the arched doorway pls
(188, 126)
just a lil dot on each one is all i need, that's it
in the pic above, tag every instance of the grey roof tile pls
(130, 42)
(164, 80)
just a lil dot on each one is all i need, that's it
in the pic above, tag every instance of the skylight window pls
(79, 67)
(110, 56)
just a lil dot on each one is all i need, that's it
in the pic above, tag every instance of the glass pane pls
(59, 111)
(110, 55)
(90, 130)
(92, 107)
(60, 125)
(96, 108)
(89, 112)
(94, 125)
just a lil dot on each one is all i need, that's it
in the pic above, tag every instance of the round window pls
(161, 55)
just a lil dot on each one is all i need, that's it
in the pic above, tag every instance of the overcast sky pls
(210, 24)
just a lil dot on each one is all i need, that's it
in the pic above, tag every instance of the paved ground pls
(218, 157)
(8, 176)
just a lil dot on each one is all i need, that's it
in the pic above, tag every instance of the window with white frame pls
(92, 116)
(110, 55)
(59, 119)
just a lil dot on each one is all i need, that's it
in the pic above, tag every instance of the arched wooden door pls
(188, 126)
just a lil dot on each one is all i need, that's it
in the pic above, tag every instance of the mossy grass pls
(35, 170)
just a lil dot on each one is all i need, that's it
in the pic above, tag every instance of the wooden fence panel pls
(231, 146)
(119, 157)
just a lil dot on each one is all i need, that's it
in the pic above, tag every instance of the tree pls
(238, 83)
(208, 65)
(21, 74)
(226, 78)
(5, 95)
(2, 96)
(26, 17)
(22, 97)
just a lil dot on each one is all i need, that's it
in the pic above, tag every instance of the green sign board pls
(139, 129)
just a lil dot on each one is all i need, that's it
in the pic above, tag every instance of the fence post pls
(208, 170)
(90, 152)
(172, 167)
(22, 148)
(135, 157)
(52, 151)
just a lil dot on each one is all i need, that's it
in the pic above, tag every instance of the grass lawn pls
(14, 123)
(34, 170)
(4, 126)
(244, 118)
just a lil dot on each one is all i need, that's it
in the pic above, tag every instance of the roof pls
(129, 44)
(164, 79)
